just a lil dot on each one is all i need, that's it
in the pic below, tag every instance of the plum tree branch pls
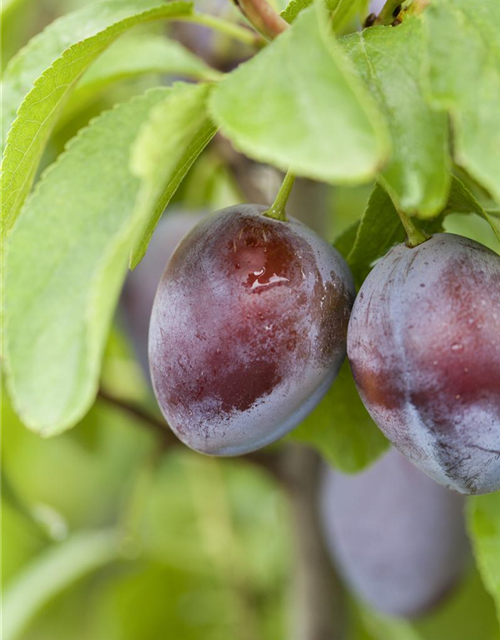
(158, 426)
(318, 607)
(263, 17)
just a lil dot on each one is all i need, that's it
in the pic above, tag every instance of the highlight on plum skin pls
(424, 348)
(397, 537)
(248, 330)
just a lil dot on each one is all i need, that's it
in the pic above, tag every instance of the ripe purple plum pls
(248, 329)
(397, 537)
(140, 286)
(424, 348)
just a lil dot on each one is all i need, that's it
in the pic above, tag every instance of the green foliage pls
(294, 8)
(84, 209)
(53, 572)
(484, 525)
(464, 80)
(378, 230)
(176, 133)
(45, 71)
(343, 11)
(390, 62)
(130, 57)
(321, 125)
(461, 200)
(341, 428)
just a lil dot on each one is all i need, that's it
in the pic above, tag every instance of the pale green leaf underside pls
(46, 70)
(464, 60)
(54, 571)
(341, 429)
(484, 526)
(390, 61)
(135, 55)
(66, 257)
(298, 106)
(176, 133)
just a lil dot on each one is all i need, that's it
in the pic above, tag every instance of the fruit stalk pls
(414, 235)
(263, 17)
(389, 12)
(277, 209)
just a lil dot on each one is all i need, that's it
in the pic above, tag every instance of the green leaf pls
(380, 229)
(294, 8)
(132, 56)
(46, 70)
(341, 429)
(176, 133)
(52, 572)
(343, 11)
(87, 208)
(297, 105)
(484, 524)
(464, 77)
(461, 200)
(390, 62)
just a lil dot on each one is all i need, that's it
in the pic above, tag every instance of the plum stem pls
(414, 235)
(277, 209)
(263, 17)
(389, 12)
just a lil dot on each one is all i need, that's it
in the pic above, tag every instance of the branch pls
(156, 425)
(266, 460)
(263, 17)
(318, 596)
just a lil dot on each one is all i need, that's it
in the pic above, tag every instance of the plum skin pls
(424, 348)
(397, 537)
(248, 330)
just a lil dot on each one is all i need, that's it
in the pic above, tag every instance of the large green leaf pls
(46, 70)
(390, 62)
(464, 72)
(341, 429)
(53, 572)
(297, 105)
(134, 55)
(484, 525)
(67, 255)
(167, 146)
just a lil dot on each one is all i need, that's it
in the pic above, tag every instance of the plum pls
(140, 286)
(248, 329)
(424, 348)
(397, 537)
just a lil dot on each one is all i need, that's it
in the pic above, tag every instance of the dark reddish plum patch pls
(426, 360)
(248, 330)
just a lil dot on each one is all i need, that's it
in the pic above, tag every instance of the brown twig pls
(158, 426)
(263, 17)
